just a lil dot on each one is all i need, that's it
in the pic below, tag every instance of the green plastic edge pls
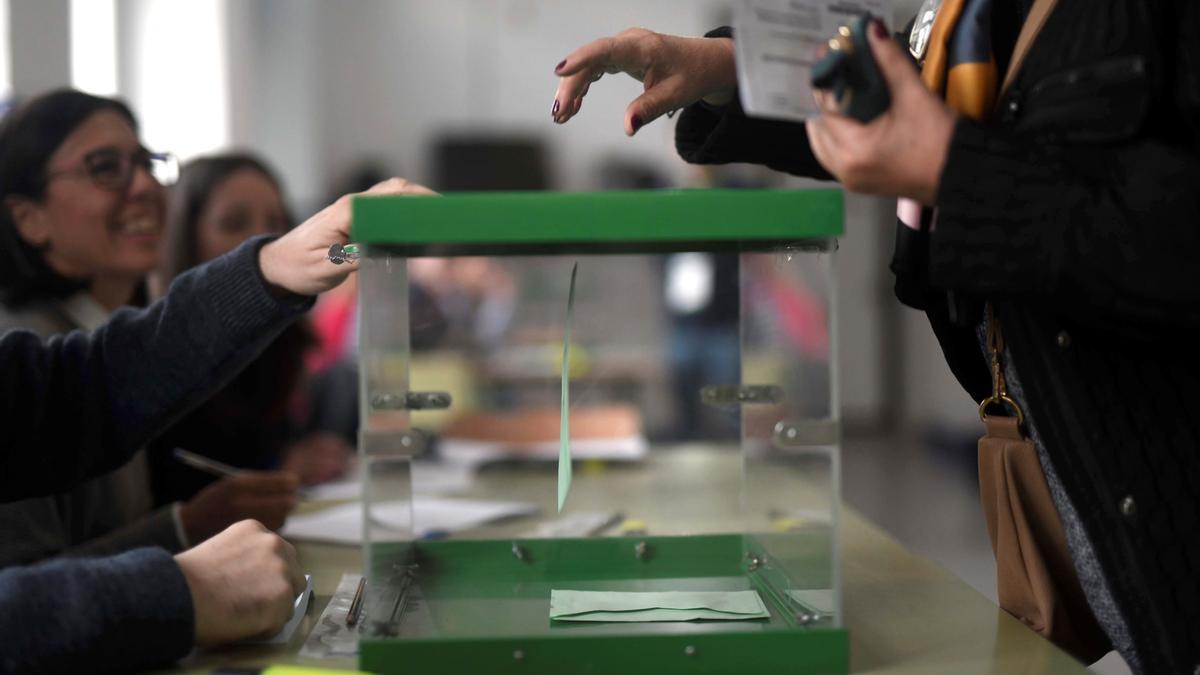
(518, 218)
(802, 651)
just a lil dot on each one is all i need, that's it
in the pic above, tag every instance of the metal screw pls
(755, 562)
(689, 650)
(641, 550)
(1063, 339)
(518, 552)
(406, 440)
(791, 432)
(804, 618)
(1128, 507)
(518, 655)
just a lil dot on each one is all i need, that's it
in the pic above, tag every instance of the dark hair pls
(29, 135)
(198, 179)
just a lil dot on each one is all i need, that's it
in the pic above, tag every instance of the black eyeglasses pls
(112, 169)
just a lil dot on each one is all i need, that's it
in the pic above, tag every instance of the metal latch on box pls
(805, 433)
(729, 395)
(393, 443)
(412, 400)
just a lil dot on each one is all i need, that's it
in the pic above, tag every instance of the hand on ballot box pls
(243, 583)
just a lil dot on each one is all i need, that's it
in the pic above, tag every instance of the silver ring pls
(339, 254)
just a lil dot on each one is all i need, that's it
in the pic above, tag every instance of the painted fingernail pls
(554, 110)
(560, 65)
(636, 123)
(880, 30)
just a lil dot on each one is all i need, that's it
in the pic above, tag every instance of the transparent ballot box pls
(599, 432)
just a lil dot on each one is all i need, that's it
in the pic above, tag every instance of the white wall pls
(40, 38)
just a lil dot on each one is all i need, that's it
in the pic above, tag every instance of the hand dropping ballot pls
(778, 42)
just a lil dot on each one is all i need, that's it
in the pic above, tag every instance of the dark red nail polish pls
(636, 123)
(880, 30)
(560, 65)
(554, 110)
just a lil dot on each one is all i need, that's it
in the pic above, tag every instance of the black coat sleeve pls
(81, 404)
(124, 613)
(708, 134)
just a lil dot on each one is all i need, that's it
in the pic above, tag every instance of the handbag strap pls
(1029, 31)
(995, 340)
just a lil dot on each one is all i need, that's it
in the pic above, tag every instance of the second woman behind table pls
(219, 202)
(78, 234)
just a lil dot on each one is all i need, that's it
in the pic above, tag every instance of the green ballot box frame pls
(482, 604)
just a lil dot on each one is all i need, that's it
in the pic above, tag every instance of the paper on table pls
(427, 478)
(300, 608)
(568, 605)
(628, 448)
(564, 434)
(577, 524)
(343, 524)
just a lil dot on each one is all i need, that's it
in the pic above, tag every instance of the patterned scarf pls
(959, 65)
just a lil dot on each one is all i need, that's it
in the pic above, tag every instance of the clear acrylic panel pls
(791, 431)
(386, 440)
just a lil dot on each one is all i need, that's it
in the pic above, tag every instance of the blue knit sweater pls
(80, 405)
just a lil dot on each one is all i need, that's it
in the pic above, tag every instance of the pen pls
(220, 469)
(205, 464)
(356, 603)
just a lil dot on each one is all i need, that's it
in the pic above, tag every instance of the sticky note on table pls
(567, 605)
(564, 427)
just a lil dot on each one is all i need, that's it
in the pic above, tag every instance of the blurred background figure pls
(261, 419)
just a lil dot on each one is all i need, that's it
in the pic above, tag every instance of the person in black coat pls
(1075, 212)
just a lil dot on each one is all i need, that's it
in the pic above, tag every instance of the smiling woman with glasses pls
(82, 217)
(83, 202)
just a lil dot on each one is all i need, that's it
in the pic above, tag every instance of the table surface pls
(905, 614)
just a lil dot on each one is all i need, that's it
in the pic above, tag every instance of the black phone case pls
(853, 76)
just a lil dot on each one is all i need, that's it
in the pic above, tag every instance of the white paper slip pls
(343, 524)
(300, 608)
(776, 43)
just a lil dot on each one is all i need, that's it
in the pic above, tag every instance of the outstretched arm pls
(81, 404)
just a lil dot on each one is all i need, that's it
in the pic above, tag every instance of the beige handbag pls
(1035, 577)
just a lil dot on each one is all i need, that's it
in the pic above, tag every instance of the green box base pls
(476, 607)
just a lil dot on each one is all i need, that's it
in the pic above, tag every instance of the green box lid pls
(619, 217)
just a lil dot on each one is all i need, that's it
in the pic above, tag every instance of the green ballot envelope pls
(666, 355)
(568, 605)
